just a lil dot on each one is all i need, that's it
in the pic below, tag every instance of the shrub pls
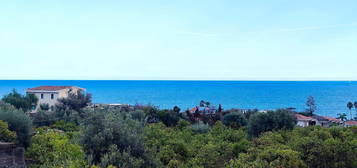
(53, 149)
(65, 126)
(18, 122)
(5, 134)
(43, 118)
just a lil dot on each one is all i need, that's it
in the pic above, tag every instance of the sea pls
(331, 97)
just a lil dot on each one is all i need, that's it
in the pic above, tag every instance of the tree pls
(208, 104)
(74, 102)
(234, 120)
(18, 122)
(111, 137)
(168, 117)
(220, 109)
(311, 106)
(176, 109)
(202, 103)
(342, 116)
(270, 121)
(355, 105)
(19, 101)
(349, 106)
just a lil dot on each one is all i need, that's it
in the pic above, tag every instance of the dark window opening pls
(41, 96)
(52, 96)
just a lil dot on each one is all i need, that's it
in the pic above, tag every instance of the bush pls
(5, 134)
(234, 120)
(53, 149)
(18, 122)
(43, 118)
(269, 121)
(65, 126)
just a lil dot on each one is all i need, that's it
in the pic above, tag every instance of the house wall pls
(302, 123)
(47, 98)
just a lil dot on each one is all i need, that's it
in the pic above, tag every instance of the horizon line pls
(267, 80)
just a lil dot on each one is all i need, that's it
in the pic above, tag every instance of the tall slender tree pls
(355, 105)
(349, 106)
(311, 106)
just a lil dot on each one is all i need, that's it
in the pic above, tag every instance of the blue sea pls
(331, 97)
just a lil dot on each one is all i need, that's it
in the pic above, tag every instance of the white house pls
(304, 121)
(50, 94)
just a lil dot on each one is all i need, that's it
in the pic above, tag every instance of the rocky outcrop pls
(11, 156)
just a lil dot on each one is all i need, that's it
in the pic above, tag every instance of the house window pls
(52, 96)
(41, 96)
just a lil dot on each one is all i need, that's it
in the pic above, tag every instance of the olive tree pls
(18, 122)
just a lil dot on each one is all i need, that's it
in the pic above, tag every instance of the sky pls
(178, 39)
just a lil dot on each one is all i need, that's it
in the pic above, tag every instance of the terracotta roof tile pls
(50, 88)
(302, 117)
(332, 119)
(351, 122)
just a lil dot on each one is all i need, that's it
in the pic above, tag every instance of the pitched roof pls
(302, 117)
(50, 88)
(332, 119)
(351, 122)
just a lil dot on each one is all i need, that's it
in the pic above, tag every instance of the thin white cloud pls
(198, 34)
(318, 27)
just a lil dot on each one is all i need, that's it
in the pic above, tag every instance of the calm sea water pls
(331, 97)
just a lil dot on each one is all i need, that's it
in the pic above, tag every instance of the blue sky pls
(179, 39)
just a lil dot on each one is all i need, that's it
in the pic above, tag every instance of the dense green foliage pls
(5, 134)
(144, 136)
(74, 102)
(184, 147)
(43, 118)
(19, 101)
(54, 149)
(18, 122)
(270, 121)
(234, 120)
(302, 147)
(114, 138)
